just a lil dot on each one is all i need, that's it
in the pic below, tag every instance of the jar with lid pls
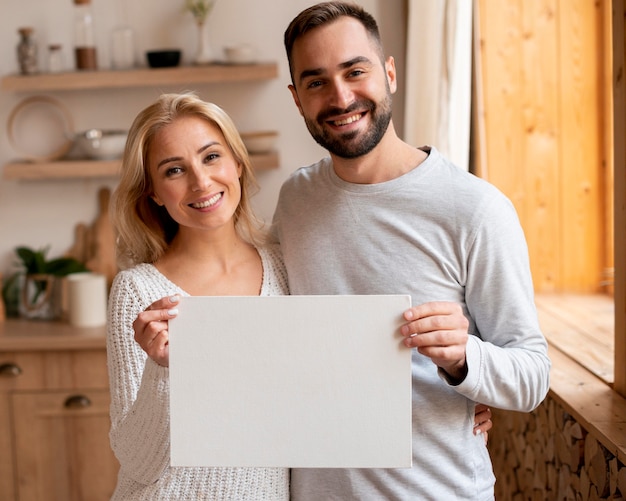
(27, 51)
(84, 36)
(55, 58)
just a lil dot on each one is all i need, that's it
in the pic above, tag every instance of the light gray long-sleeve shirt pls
(436, 233)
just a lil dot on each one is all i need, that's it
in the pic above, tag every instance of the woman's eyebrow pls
(178, 159)
(208, 145)
(168, 160)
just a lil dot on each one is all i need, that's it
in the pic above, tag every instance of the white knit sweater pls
(140, 403)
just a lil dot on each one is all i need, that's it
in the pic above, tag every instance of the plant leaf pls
(40, 262)
(64, 266)
(33, 261)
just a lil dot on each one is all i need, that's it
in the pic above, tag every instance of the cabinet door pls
(62, 446)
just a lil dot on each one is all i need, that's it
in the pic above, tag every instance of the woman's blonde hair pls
(144, 229)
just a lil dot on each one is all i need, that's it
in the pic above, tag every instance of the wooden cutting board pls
(101, 241)
(78, 251)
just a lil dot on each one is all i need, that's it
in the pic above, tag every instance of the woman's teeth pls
(211, 201)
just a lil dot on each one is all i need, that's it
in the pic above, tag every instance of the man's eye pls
(313, 84)
(356, 73)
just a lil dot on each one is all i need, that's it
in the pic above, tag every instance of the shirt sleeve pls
(508, 364)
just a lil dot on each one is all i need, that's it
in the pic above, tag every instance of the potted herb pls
(200, 10)
(34, 291)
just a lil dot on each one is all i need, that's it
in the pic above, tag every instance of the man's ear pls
(294, 94)
(390, 72)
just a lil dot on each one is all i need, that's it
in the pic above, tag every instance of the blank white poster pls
(290, 381)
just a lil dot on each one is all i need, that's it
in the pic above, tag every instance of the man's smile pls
(347, 121)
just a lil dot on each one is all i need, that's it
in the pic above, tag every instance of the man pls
(381, 216)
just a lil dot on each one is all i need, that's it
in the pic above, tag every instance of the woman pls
(185, 227)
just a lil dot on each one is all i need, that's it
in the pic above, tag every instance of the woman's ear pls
(156, 200)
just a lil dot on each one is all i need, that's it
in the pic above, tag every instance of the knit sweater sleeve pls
(275, 281)
(139, 387)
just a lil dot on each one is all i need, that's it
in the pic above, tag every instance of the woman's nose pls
(200, 179)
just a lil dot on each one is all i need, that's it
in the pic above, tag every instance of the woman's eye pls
(211, 156)
(172, 171)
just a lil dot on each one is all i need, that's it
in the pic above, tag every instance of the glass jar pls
(123, 48)
(55, 58)
(84, 37)
(27, 52)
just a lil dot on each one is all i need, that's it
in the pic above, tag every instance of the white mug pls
(86, 299)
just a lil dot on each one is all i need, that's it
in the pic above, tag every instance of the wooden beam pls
(619, 121)
(608, 275)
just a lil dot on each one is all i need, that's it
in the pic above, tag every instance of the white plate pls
(40, 129)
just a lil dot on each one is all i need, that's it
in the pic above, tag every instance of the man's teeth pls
(348, 120)
(208, 203)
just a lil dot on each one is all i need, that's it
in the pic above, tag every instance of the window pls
(552, 126)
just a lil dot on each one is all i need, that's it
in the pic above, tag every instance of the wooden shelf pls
(141, 77)
(31, 171)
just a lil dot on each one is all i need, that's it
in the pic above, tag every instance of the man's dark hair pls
(325, 13)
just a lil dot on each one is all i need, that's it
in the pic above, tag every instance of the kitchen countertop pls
(35, 335)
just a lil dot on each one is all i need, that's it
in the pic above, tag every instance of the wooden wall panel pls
(541, 65)
(500, 59)
(539, 129)
(582, 150)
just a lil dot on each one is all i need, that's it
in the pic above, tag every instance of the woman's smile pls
(208, 203)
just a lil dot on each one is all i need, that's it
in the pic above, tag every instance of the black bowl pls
(163, 58)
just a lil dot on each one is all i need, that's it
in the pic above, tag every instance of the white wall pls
(42, 213)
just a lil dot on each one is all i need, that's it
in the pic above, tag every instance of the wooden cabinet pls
(184, 77)
(54, 414)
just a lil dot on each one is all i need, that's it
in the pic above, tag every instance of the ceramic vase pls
(203, 55)
(27, 52)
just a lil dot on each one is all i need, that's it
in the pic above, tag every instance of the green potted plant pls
(34, 291)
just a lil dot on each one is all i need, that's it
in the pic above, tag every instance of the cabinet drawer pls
(53, 370)
(62, 445)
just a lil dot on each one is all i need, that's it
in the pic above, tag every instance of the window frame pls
(619, 189)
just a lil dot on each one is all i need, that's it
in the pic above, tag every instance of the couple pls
(389, 217)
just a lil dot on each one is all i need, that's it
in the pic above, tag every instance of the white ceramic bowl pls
(239, 54)
(100, 144)
(259, 142)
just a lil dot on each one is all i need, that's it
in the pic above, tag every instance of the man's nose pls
(342, 94)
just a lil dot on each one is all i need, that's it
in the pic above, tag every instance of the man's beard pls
(346, 145)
